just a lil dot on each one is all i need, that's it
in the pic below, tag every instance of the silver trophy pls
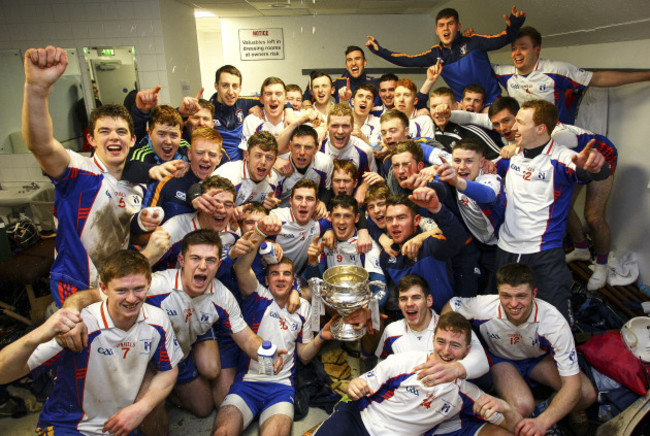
(346, 289)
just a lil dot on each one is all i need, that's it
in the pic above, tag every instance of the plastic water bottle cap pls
(267, 345)
(263, 246)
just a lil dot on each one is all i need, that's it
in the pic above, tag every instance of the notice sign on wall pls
(261, 44)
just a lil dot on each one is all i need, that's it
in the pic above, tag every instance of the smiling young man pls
(531, 78)
(395, 129)
(354, 76)
(252, 177)
(387, 92)
(96, 223)
(222, 192)
(322, 90)
(448, 133)
(528, 341)
(416, 330)
(344, 219)
(502, 115)
(341, 145)
(366, 125)
(253, 394)
(391, 399)
(432, 255)
(481, 201)
(171, 193)
(307, 163)
(273, 96)
(299, 229)
(229, 109)
(91, 393)
(195, 302)
(464, 58)
(163, 141)
(420, 126)
(539, 182)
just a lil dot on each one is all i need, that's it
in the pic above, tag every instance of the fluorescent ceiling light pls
(198, 13)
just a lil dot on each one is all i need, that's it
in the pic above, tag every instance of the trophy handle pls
(315, 284)
(382, 289)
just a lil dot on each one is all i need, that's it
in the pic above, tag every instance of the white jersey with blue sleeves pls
(253, 124)
(276, 324)
(319, 171)
(93, 211)
(481, 221)
(105, 377)
(356, 151)
(295, 238)
(346, 253)
(249, 190)
(421, 127)
(192, 317)
(553, 81)
(545, 331)
(538, 192)
(399, 404)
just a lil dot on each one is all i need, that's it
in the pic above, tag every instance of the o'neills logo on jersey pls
(126, 345)
(180, 195)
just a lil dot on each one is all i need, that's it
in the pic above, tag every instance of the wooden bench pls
(616, 296)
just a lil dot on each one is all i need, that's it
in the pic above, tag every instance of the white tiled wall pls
(77, 23)
(84, 23)
(20, 168)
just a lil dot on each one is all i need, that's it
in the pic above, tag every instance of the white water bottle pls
(267, 251)
(266, 355)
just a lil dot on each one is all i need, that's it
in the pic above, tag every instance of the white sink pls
(21, 194)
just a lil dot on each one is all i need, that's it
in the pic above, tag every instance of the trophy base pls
(346, 332)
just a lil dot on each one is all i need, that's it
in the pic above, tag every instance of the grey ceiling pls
(562, 22)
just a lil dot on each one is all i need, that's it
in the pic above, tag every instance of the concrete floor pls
(181, 423)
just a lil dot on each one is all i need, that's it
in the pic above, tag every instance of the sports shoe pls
(540, 408)
(599, 278)
(13, 407)
(555, 430)
(578, 423)
(578, 254)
